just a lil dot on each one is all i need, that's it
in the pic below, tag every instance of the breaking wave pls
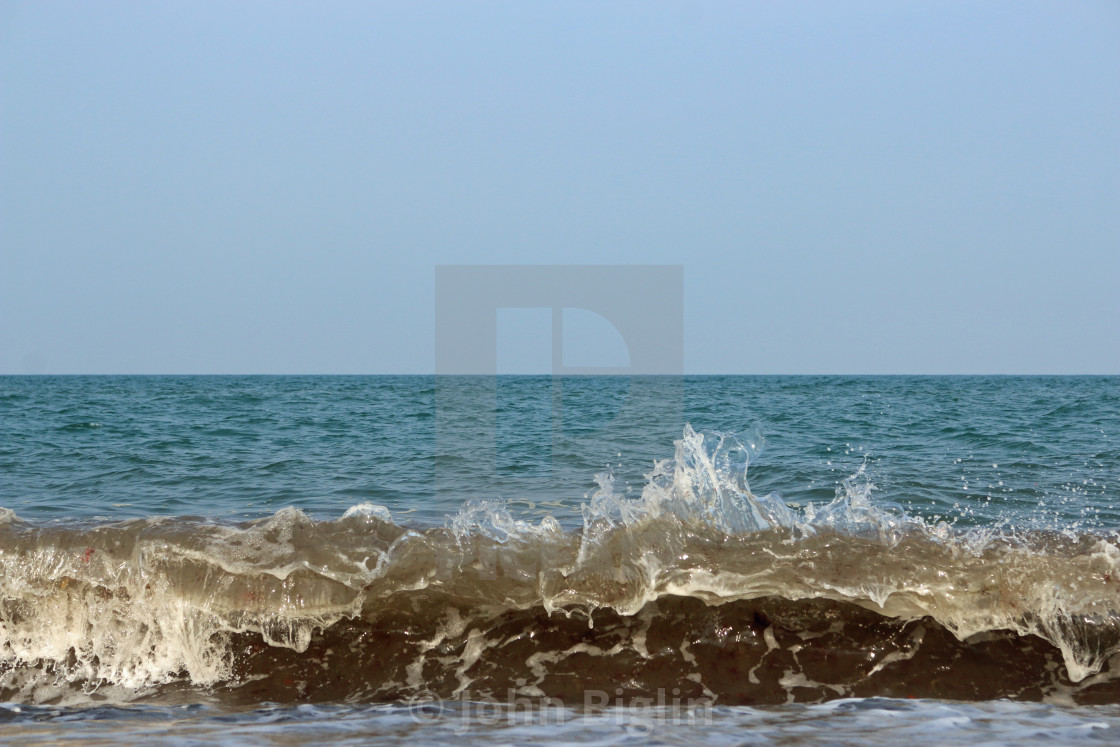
(697, 586)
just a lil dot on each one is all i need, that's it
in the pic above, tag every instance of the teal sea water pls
(605, 559)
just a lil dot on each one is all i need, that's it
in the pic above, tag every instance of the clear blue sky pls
(212, 187)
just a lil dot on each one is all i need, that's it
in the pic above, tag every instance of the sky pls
(849, 188)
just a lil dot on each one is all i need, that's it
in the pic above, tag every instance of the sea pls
(559, 559)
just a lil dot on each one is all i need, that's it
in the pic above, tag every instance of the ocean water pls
(295, 560)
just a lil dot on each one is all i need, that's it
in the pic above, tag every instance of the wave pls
(698, 586)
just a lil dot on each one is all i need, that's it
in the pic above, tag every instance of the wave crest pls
(148, 603)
